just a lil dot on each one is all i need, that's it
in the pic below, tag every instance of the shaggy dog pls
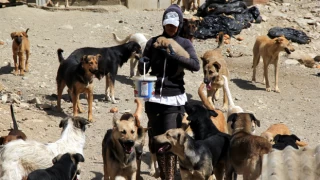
(19, 158)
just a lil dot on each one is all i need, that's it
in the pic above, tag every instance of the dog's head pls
(125, 133)
(242, 122)
(268, 136)
(284, 44)
(135, 49)
(281, 141)
(189, 27)
(18, 36)
(173, 140)
(161, 42)
(210, 72)
(5, 139)
(90, 63)
(68, 158)
(75, 123)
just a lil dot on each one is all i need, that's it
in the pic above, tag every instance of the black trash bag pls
(248, 16)
(211, 25)
(235, 7)
(202, 10)
(290, 33)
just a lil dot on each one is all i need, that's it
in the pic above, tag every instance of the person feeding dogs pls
(165, 108)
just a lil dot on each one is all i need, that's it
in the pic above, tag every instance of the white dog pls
(19, 158)
(138, 38)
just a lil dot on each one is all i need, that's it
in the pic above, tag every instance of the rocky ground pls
(33, 94)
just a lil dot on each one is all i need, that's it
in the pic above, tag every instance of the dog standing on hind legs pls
(20, 47)
(269, 49)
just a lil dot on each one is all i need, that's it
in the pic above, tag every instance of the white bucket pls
(144, 86)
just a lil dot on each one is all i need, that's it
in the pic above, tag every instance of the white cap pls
(171, 18)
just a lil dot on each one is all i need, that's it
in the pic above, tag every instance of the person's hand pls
(165, 51)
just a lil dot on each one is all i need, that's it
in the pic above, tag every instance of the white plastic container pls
(144, 86)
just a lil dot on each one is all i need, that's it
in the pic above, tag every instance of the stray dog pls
(20, 47)
(269, 49)
(214, 66)
(246, 150)
(111, 59)
(279, 129)
(195, 157)
(282, 141)
(138, 38)
(65, 167)
(14, 133)
(141, 131)
(219, 121)
(188, 4)
(19, 158)
(78, 77)
(189, 27)
(118, 149)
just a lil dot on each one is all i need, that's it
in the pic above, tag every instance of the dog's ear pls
(204, 61)
(232, 118)
(1, 140)
(78, 157)
(98, 57)
(181, 138)
(83, 122)
(213, 113)
(115, 119)
(24, 34)
(276, 138)
(254, 119)
(295, 137)
(217, 66)
(63, 123)
(12, 35)
(84, 59)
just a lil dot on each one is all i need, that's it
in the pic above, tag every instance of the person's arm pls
(192, 63)
(145, 57)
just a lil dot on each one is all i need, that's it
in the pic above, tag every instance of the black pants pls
(162, 118)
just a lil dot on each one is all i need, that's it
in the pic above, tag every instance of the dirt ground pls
(297, 105)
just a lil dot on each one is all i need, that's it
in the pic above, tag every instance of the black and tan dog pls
(111, 59)
(14, 133)
(78, 76)
(20, 47)
(189, 27)
(118, 149)
(246, 150)
(65, 167)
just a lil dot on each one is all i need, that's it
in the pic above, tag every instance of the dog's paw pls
(277, 90)
(268, 89)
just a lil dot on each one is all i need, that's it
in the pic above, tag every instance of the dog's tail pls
(220, 37)
(15, 125)
(60, 57)
(138, 112)
(121, 41)
(227, 90)
(27, 30)
(301, 143)
(203, 98)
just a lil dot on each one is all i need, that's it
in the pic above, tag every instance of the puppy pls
(214, 66)
(282, 141)
(269, 49)
(189, 27)
(14, 133)
(111, 59)
(20, 47)
(279, 129)
(65, 167)
(246, 150)
(78, 77)
(118, 152)
(195, 157)
(141, 131)
(138, 38)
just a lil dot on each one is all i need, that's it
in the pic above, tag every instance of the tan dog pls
(78, 77)
(20, 47)
(246, 150)
(281, 129)
(188, 4)
(269, 49)
(214, 66)
(118, 149)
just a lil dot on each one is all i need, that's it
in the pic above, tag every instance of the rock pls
(308, 16)
(34, 101)
(2, 43)
(4, 98)
(317, 58)
(44, 106)
(291, 62)
(239, 38)
(66, 27)
(40, 45)
(114, 109)
(264, 18)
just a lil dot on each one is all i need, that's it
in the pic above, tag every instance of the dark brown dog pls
(246, 150)
(189, 28)
(14, 133)
(20, 46)
(78, 77)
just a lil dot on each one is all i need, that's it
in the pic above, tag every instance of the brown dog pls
(20, 47)
(118, 149)
(214, 66)
(188, 4)
(78, 77)
(141, 133)
(189, 27)
(14, 133)
(163, 42)
(246, 150)
(281, 129)
(269, 49)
